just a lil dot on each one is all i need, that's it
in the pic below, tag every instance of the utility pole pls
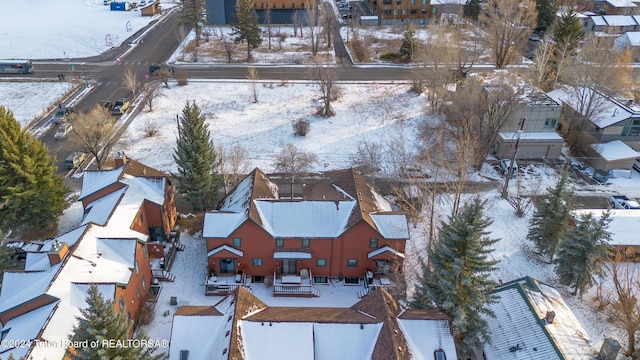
(84, 72)
(505, 189)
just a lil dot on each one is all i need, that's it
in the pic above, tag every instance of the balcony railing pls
(289, 285)
(222, 285)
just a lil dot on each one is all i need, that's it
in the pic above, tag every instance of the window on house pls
(632, 128)
(398, 2)
(4, 333)
(256, 261)
(144, 251)
(404, 11)
(373, 243)
(413, 2)
(386, 2)
(423, 11)
(425, 2)
(138, 293)
(395, 12)
(386, 12)
(237, 242)
(301, 5)
(305, 242)
(141, 218)
(321, 262)
(184, 354)
(135, 266)
(414, 11)
(279, 242)
(352, 262)
(435, 10)
(144, 283)
(121, 303)
(283, 5)
(550, 123)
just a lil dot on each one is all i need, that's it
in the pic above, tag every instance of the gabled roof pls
(226, 248)
(615, 150)
(24, 328)
(19, 287)
(98, 211)
(94, 181)
(384, 249)
(328, 208)
(519, 330)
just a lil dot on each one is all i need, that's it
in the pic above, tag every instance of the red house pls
(127, 211)
(339, 228)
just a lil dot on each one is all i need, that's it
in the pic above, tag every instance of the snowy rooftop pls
(609, 112)
(621, 3)
(421, 345)
(615, 150)
(312, 219)
(391, 226)
(634, 37)
(25, 328)
(525, 92)
(94, 181)
(218, 224)
(520, 332)
(623, 227)
(620, 20)
(99, 210)
(20, 287)
(541, 135)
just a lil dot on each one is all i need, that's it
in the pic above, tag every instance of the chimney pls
(57, 252)
(629, 102)
(121, 159)
(609, 350)
(337, 205)
(550, 317)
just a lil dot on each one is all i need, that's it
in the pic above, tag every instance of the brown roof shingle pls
(198, 311)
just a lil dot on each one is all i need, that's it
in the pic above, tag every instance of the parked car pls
(62, 131)
(106, 104)
(601, 176)
(504, 167)
(61, 115)
(74, 160)
(120, 106)
(157, 67)
(623, 202)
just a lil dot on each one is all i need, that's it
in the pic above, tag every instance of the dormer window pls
(439, 355)
(305, 242)
(279, 242)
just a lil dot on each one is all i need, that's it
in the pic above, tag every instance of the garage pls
(533, 145)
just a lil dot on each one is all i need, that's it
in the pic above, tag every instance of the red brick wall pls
(130, 294)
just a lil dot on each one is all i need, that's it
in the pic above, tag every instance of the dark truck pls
(157, 67)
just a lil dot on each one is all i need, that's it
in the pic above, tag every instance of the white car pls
(62, 131)
(504, 167)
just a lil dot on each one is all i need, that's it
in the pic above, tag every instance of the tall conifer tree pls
(456, 279)
(100, 321)
(31, 193)
(582, 256)
(196, 158)
(550, 222)
(246, 27)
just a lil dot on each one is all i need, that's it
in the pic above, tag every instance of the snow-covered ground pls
(61, 29)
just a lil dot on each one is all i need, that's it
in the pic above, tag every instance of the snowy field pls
(31, 100)
(379, 113)
(61, 29)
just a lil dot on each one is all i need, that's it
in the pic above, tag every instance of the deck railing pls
(220, 289)
(292, 289)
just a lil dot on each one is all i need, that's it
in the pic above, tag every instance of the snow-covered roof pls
(633, 37)
(615, 150)
(305, 340)
(520, 332)
(444, 2)
(532, 136)
(37, 261)
(598, 20)
(384, 249)
(93, 181)
(226, 248)
(99, 210)
(421, 346)
(291, 255)
(621, 4)
(516, 324)
(312, 219)
(24, 328)
(620, 20)
(21, 286)
(609, 112)
(624, 224)
(391, 226)
(525, 93)
(220, 224)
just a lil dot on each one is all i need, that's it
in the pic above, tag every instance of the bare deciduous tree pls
(163, 75)
(93, 132)
(328, 21)
(294, 162)
(508, 26)
(467, 47)
(252, 76)
(295, 21)
(314, 34)
(325, 76)
(623, 308)
(267, 22)
(152, 94)
(435, 59)
(233, 165)
(522, 202)
(541, 69)
(130, 81)
(368, 157)
(228, 46)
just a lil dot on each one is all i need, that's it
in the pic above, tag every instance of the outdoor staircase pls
(179, 246)
(167, 276)
(363, 292)
(316, 292)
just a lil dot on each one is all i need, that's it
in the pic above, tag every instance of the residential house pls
(612, 155)
(532, 321)
(608, 25)
(222, 12)
(339, 227)
(399, 12)
(241, 326)
(614, 117)
(109, 248)
(533, 118)
(629, 41)
(152, 8)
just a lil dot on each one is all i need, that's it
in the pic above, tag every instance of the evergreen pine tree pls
(192, 14)
(6, 258)
(472, 9)
(582, 256)
(550, 221)
(99, 321)
(246, 28)
(409, 44)
(546, 14)
(567, 32)
(456, 279)
(196, 158)
(31, 193)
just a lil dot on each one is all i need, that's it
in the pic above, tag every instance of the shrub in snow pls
(301, 127)
(150, 128)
